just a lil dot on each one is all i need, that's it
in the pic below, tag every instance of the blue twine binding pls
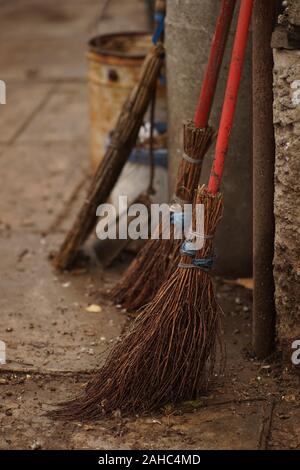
(180, 219)
(186, 250)
(202, 263)
(160, 19)
(206, 263)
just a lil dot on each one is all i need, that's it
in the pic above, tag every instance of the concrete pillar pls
(287, 180)
(189, 29)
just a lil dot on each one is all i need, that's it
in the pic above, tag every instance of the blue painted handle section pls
(160, 19)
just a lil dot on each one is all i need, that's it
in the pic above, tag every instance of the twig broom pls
(159, 257)
(169, 354)
(123, 140)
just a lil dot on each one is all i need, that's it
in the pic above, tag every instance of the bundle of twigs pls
(159, 257)
(169, 354)
(118, 151)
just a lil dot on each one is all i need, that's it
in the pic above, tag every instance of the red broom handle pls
(214, 63)
(234, 78)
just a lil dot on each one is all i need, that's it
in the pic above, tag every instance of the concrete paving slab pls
(216, 427)
(46, 59)
(63, 118)
(50, 173)
(2, 148)
(62, 33)
(44, 322)
(22, 101)
(131, 17)
(33, 18)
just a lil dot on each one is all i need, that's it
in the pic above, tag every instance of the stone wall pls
(287, 186)
(293, 11)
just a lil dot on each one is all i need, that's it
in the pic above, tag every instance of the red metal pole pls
(233, 82)
(214, 63)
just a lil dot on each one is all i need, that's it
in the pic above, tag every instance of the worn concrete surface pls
(287, 193)
(22, 104)
(52, 123)
(52, 341)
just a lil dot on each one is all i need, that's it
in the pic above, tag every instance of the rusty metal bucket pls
(114, 66)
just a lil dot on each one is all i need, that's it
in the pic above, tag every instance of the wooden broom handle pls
(160, 6)
(231, 93)
(214, 63)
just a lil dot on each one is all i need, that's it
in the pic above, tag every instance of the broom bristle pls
(158, 258)
(169, 354)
